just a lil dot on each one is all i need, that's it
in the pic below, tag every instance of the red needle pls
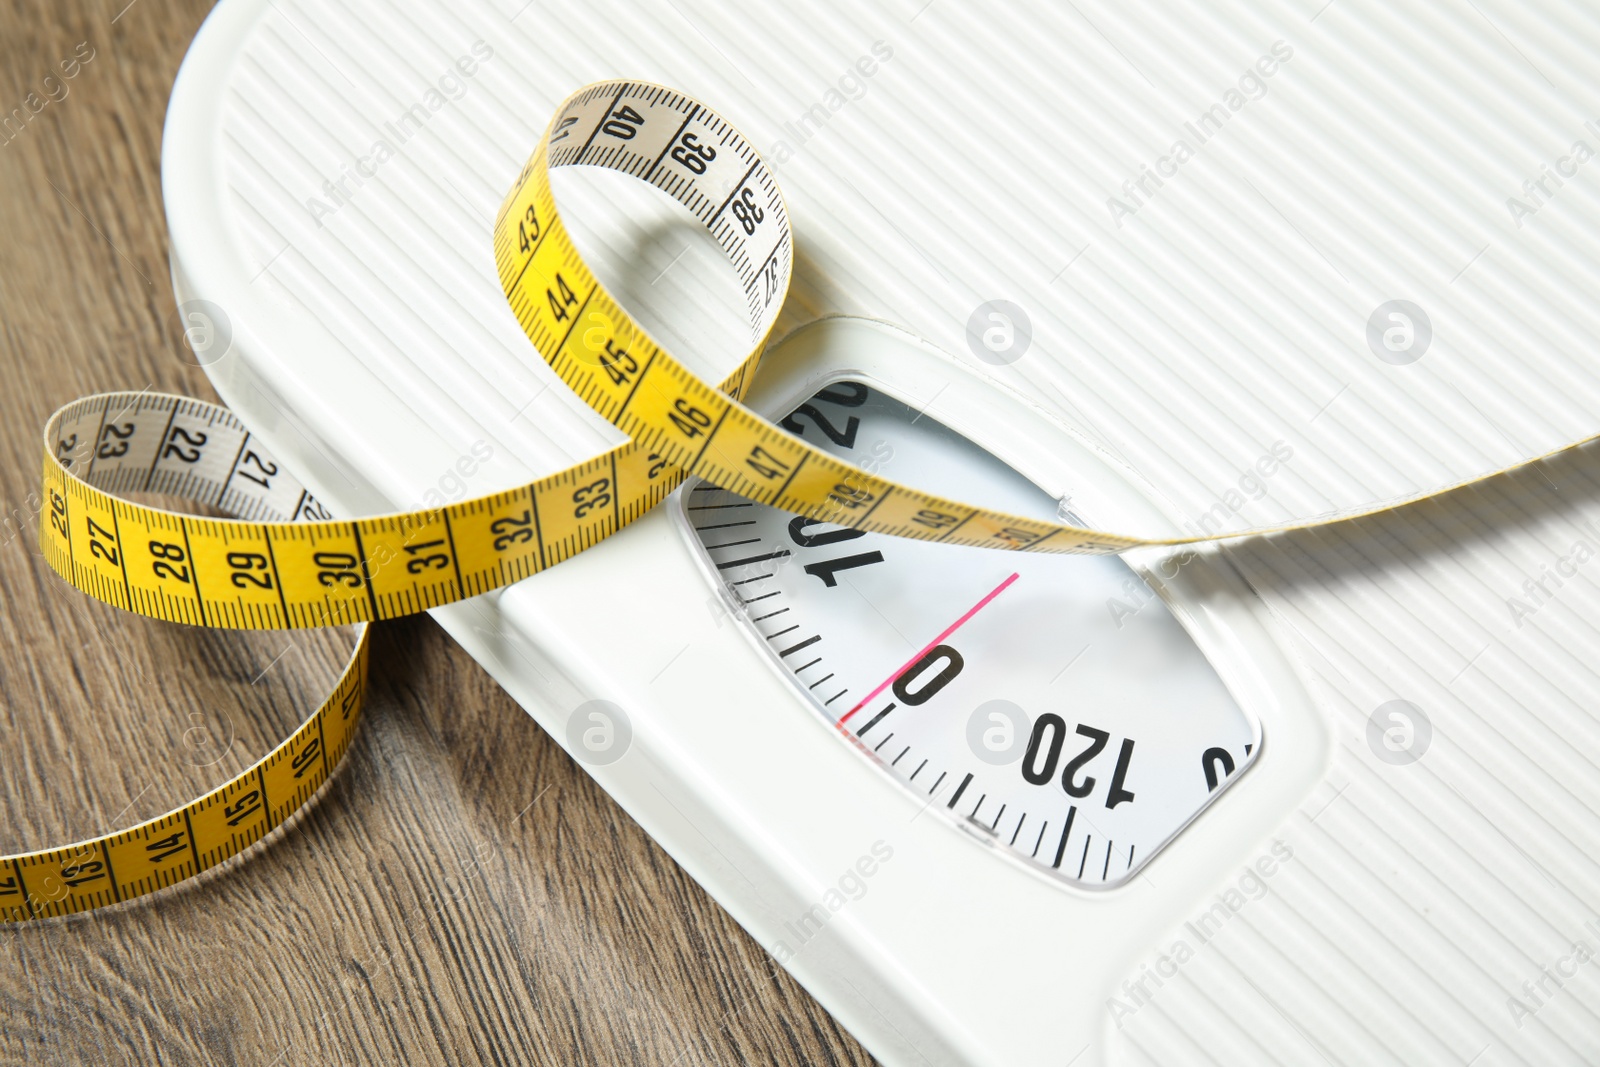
(948, 630)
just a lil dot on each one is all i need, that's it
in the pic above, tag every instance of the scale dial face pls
(1052, 702)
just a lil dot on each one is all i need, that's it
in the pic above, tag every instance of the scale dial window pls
(1052, 702)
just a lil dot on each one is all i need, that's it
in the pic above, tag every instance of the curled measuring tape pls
(284, 563)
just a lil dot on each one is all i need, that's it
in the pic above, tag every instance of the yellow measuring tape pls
(285, 563)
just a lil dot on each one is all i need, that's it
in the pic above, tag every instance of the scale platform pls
(1250, 263)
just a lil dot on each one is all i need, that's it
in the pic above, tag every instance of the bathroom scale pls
(1326, 795)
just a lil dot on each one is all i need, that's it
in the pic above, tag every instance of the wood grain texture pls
(461, 891)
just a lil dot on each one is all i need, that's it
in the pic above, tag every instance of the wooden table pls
(461, 892)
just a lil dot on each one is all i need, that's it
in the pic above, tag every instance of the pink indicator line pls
(908, 664)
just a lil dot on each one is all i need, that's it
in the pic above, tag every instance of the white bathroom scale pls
(1329, 796)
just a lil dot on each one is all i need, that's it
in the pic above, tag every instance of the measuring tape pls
(284, 562)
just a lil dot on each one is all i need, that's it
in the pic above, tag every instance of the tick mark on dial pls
(876, 719)
(782, 553)
(962, 788)
(1066, 832)
(813, 639)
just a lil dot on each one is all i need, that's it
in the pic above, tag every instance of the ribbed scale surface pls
(1227, 312)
